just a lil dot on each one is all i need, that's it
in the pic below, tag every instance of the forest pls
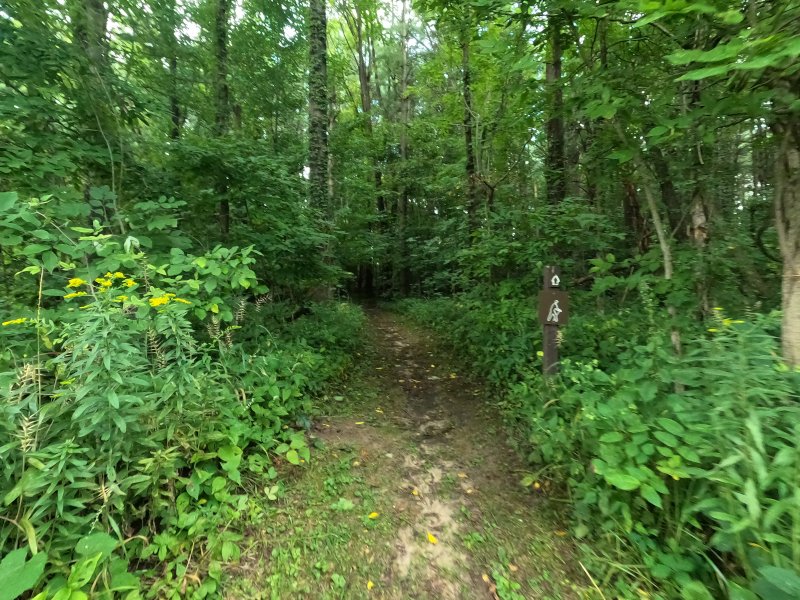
(268, 293)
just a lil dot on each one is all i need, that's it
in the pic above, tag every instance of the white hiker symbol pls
(555, 310)
(555, 281)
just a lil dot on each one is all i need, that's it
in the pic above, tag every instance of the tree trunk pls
(787, 220)
(469, 130)
(405, 114)
(555, 167)
(318, 108)
(95, 105)
(222, 103)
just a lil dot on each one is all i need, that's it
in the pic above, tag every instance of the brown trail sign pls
(553, 312)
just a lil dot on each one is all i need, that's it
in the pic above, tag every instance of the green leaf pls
(611, 438)
(695, 590)
(95, 543)
(673, 427)
(18, 576)
(704, 73)
(343, 504)
(666, 438)
(622, 481)
(651, 495)
(777, 583)
(231, 456)
(293, 457)
(119, 422)
(82, 571)
(7, 200)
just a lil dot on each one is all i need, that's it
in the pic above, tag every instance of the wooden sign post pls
(553, 312)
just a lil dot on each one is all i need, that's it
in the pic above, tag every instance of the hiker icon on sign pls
(555, 310)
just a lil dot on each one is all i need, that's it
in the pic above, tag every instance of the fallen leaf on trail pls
(379, 368)
(561, 533)
(356, 463)
(370, 585)
(432, 538)
(379, 410)
(373, 515)
(485, 577)
(513, 568)
(470, 490)
(433, 366)
(453, 375)
(462, 475)
(401, 381)
(359, 422)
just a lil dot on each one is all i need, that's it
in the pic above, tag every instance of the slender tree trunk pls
(787, 218)
(95, 104)
(222, 103)
(169, 28)
(405, 115)
(664, 240)
(555, 167)
(318, 108)
(469, 128)
(174, 104)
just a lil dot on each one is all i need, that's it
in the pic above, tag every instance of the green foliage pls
(131, 407)
(682, 470)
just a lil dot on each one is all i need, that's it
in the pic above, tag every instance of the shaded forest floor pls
(412, 493)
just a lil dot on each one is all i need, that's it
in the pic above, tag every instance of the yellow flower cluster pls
(107, 280)
(74, 295)
(76, 282)
(166, 299)
(724, 321)
(18, 321)
(159, 301)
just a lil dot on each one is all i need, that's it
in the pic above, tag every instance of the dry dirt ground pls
(411, 494)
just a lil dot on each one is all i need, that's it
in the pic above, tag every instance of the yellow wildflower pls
(374, 515)
(15, 321)
(75, 282)
(129, 282)
(104, 282)
(118, 275)
(181, 300)
(713, 329)
(727, 322)
(370, 585)
(122, 298)
(160, 301)
(74, 295)
(432, 538)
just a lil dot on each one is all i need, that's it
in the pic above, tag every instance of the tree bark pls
(469, 129)
(787, 220)
(318, 108)
(405, 115)
(555, 167)
(222, 103)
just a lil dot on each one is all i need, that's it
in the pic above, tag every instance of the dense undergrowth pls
(149, 405)
(682, 471)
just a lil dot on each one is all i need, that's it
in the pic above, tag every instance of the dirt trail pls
(429, 501)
